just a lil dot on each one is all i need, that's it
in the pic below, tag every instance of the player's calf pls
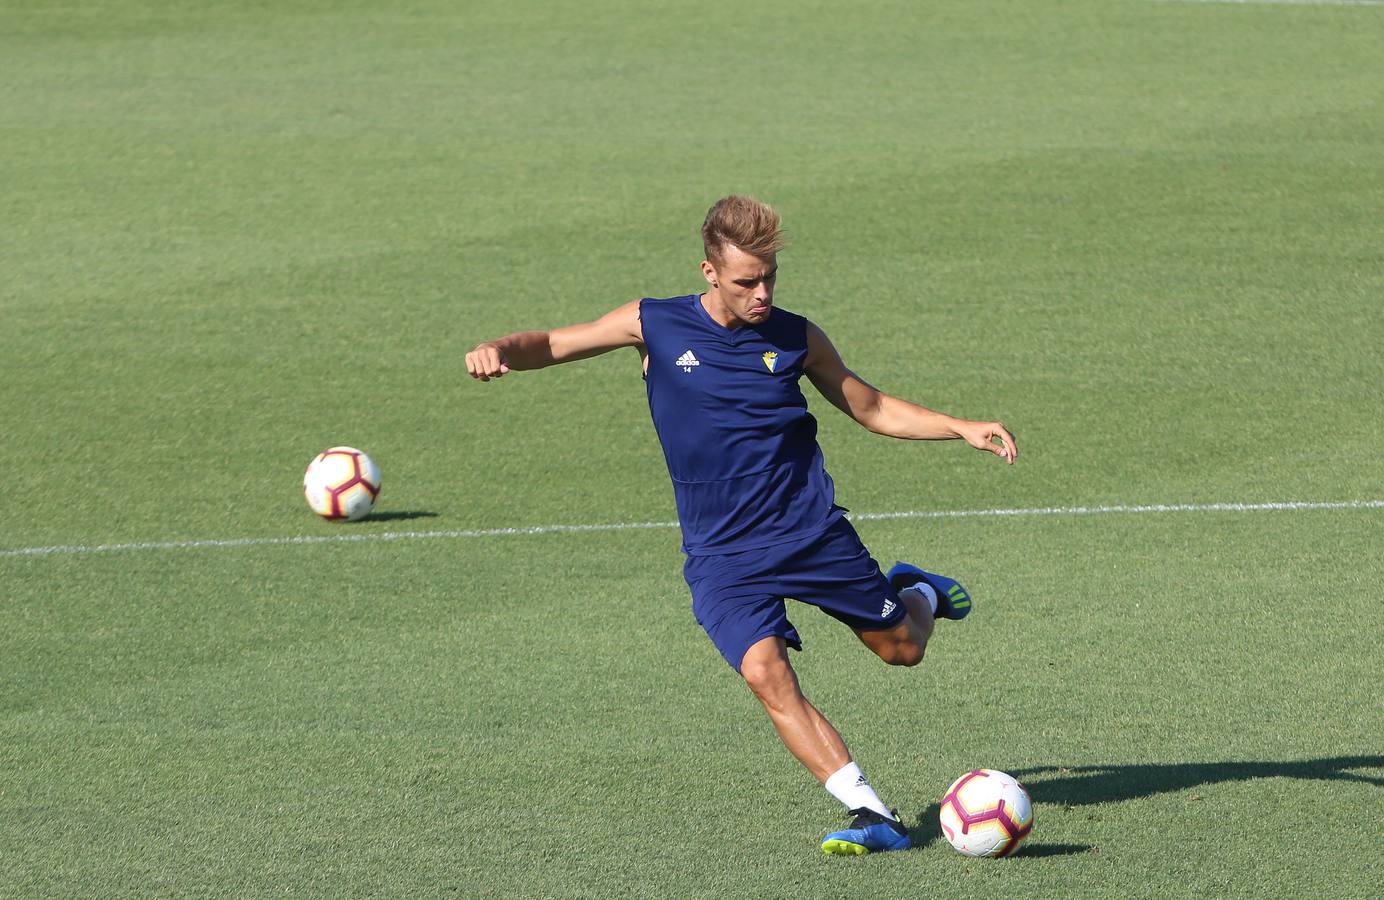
(902, 645)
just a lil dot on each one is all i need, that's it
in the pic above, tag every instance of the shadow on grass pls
(1079, 785)
(926, 830)
(399, 516)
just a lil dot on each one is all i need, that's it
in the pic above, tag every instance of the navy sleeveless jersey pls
(740, 445)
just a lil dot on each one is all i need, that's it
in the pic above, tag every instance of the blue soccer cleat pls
(869, 833)
(952, 600)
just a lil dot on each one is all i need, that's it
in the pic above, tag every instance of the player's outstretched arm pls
(885, 414)
(535, 349)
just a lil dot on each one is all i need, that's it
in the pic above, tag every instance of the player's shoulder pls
(667, 312)
(667, 302)
(785, 323)
(787, 315)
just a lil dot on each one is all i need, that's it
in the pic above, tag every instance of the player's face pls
(743, 285)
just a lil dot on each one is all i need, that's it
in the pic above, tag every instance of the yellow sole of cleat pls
(843, 848)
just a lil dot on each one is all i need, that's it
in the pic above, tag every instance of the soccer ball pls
(986, 813)
(341, 483)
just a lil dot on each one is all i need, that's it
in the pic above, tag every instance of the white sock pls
(849, 785)
(927, 591)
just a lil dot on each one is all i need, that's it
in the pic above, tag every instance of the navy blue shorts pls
(739, 597)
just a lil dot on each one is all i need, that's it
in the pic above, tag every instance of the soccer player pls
(757, 507)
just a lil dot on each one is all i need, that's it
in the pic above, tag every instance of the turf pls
(1144, 234)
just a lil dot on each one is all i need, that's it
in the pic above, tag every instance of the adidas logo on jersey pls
(687, 361)
(888, 608)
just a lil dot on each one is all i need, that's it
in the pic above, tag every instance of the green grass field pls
(1147, 235)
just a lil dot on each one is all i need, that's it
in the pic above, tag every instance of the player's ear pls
(709, 273)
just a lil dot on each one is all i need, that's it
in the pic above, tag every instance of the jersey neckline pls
(731, 334)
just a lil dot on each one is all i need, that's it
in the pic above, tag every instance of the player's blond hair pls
(743, 222)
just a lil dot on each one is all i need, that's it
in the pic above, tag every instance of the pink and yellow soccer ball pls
(986, 813)
(341, 483)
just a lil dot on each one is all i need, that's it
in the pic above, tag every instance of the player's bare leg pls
(819, 747)
(804, 731)
(927, 597)
(904, 644)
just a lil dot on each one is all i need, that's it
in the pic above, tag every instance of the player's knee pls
(769, 679)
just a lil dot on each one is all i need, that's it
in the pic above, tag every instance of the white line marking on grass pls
(1285, 2)
(330, 538)
(633, 526)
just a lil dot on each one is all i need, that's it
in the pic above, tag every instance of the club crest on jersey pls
(770, 360)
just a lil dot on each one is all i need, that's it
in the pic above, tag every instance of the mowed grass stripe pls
(1287, 505)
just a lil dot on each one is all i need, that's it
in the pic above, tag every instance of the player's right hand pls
(487, 361)
(983, 435)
